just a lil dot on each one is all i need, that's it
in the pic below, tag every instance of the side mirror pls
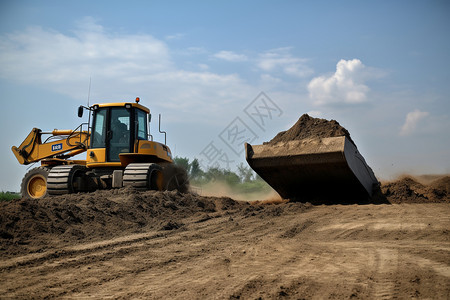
(149, 118)
(80, 112)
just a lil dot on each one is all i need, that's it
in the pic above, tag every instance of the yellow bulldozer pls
(120, 151)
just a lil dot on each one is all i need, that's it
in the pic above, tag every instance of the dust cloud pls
(222, 189)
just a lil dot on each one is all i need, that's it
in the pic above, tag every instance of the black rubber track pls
(61, 179)
(142, 176)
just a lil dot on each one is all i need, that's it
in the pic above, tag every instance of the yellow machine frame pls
(74, 142)
(118, 153)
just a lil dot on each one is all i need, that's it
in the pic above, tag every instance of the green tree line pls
(8, 196)
(244, 180)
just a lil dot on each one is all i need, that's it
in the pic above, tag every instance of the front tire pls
(34, 183)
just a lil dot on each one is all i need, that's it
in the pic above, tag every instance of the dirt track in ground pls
(166, 245)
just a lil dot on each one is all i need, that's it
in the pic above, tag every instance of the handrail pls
(165, 133)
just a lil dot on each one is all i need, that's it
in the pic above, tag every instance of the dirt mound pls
(442, 184)
(408, 190)
(100, 215)
(27, 226)
(32, 225)
(309, 127)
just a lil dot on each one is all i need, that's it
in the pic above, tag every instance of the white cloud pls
(281, 59)
(39, 56)
(412, 120)
(346, 85)
(121, 66)
(230, 56)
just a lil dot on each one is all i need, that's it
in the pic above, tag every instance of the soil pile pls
(408, 190)
(100, 214)
(442, 184)
(309, 127)
(27, 225)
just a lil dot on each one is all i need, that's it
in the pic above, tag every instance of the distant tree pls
(231, 178)
(182, 162)
(245, 173)
(195, 170)
(244, 180)
(214, 173)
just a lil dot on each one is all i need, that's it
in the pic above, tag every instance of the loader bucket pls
(323, 170)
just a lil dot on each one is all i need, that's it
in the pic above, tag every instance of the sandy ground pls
(289, 250)
(167, 245)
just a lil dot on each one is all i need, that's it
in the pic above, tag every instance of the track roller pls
(148, 176)
(65, 179)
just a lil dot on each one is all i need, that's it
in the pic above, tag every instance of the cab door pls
(119, 137)
(98, 141)
(111, 133)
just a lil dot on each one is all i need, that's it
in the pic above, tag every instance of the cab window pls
(99, 130)
(141, 125)
(120, 133)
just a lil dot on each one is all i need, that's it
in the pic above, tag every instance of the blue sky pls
(381, 68)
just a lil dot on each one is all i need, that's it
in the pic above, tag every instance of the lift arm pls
(71, 143)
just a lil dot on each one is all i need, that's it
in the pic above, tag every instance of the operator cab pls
(118, 127)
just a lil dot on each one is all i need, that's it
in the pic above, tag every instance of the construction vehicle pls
(119, 152)
(323, 170)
